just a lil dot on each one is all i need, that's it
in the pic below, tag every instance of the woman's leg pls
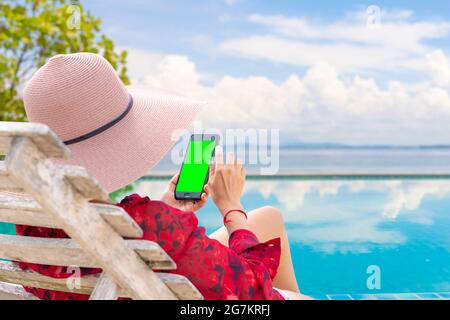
(267, 223)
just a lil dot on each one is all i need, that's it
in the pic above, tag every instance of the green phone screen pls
(195, 166)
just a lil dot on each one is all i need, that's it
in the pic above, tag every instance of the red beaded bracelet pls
(225, 221)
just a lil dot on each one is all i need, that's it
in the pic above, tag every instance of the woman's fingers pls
(197, 205)
(240, 167)
(175, 178)
(216, 162)
(205, 194)
(212, 170)
(231, 158)
(173, 183)
(218, 156)
(227, 183)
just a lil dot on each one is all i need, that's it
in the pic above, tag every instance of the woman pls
(118, 136)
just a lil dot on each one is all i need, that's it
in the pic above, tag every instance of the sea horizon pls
(344, 160)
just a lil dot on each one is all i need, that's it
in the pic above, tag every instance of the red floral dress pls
(243, 271)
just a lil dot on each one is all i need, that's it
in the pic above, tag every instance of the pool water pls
(6, 228)
(338, 229)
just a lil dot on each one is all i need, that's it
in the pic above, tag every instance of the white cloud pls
(302, 54)
(354, 225)
(403, 197)
(348, 44)
(141, 63)
(356, 235)
(439, 68)
(407, 197)
(321, 105)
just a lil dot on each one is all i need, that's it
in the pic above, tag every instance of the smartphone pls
(194, 172)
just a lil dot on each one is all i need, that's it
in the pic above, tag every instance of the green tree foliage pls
(31, 31)
(117, 195)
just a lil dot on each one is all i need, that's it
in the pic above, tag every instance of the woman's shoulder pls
(143, 208)
(133, 200)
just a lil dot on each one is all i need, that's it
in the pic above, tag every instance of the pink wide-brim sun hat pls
(116, 133)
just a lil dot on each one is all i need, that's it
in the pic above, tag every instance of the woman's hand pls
(183, 205)
(226, 182)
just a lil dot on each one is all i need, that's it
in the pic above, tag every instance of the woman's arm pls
(237, 221)
(226, 186)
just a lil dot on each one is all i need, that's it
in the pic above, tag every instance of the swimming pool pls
(341, 229)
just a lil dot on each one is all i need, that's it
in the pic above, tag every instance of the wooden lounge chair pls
(36, 192)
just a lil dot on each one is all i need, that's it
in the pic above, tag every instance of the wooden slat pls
(10, 272)
(180, 286)
(84, 183)
(120, 220)
(14, 292)
(6, 184)
(105, 289)
(66, 252)
(19, 209)
(5, 144)
(41, 179)
(44, 138)
(77, 176)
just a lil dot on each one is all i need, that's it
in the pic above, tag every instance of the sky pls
(320, 71)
